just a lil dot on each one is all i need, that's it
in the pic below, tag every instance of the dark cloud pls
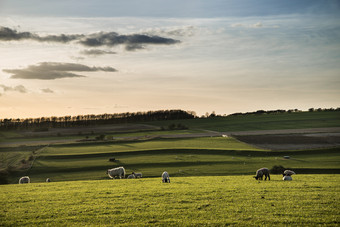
(132, 47)
(96, 52)
(113, 39)
(54, 70)
(19, 88)
(132, 42)
(59, 38)
(7, 34)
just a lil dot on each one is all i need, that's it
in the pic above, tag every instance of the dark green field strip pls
(131, 166)
(119, 142)
(156, 152)
(262, 121)
(317, 170)
(21, 148)
(195, 151)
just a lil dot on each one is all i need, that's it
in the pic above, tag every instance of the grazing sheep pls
(288, 172)
(261, 172)
(24, 180)
(131, 176)
(138, 175)
(48, 180)
(287, 178)
(116, 172)
(165, 177)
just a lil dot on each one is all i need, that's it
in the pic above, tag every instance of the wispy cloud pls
(95, 52)
(47, 90)
(131, 42)
(19, 88)
(54, 70)
(256, 25)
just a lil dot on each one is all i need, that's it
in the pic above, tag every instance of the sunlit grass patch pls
(308, 200)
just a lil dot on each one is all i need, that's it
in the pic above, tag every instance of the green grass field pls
(211, 177)
(308, 200)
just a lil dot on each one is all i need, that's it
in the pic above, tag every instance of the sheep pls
(287, 178)
(116, 172)
(132, 176)
(24, 180)
(288, 172)
(138, 175)
(48, 180)
(261, 172)
(165, 177)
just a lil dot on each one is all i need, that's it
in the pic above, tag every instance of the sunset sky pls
(92, 57)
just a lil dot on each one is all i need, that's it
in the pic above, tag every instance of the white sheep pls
(48, 180)
(138, 175)
(288, 172)
(24, 180)
(287, 178)
(116, 172)
(165, 177)
(132, 176)
(261, 172)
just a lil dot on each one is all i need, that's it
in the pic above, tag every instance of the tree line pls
(44, 123)
(284, 111)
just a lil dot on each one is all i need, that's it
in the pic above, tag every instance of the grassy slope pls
(196, 156)
(180, 157)
(308, 200)
(261, 122)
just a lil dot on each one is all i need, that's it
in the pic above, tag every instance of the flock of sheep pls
(119, 172)
(287, 174)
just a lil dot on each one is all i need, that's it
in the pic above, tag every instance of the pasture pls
(74, 153)
(208, 156)
(211, 175)
(308, 200)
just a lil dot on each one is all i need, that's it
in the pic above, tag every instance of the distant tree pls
(213, 114)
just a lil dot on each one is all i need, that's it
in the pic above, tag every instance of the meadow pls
(208, 156)
(211, 176)
(308, 200)
(76, 154)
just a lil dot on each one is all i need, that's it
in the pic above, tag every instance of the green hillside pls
(180, 157)
(140, 148)
(295, 120)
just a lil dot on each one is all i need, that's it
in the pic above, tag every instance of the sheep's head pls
(256, 177)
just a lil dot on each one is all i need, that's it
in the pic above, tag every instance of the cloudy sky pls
(92, 57)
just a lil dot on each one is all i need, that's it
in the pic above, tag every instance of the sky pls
(75, 57)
